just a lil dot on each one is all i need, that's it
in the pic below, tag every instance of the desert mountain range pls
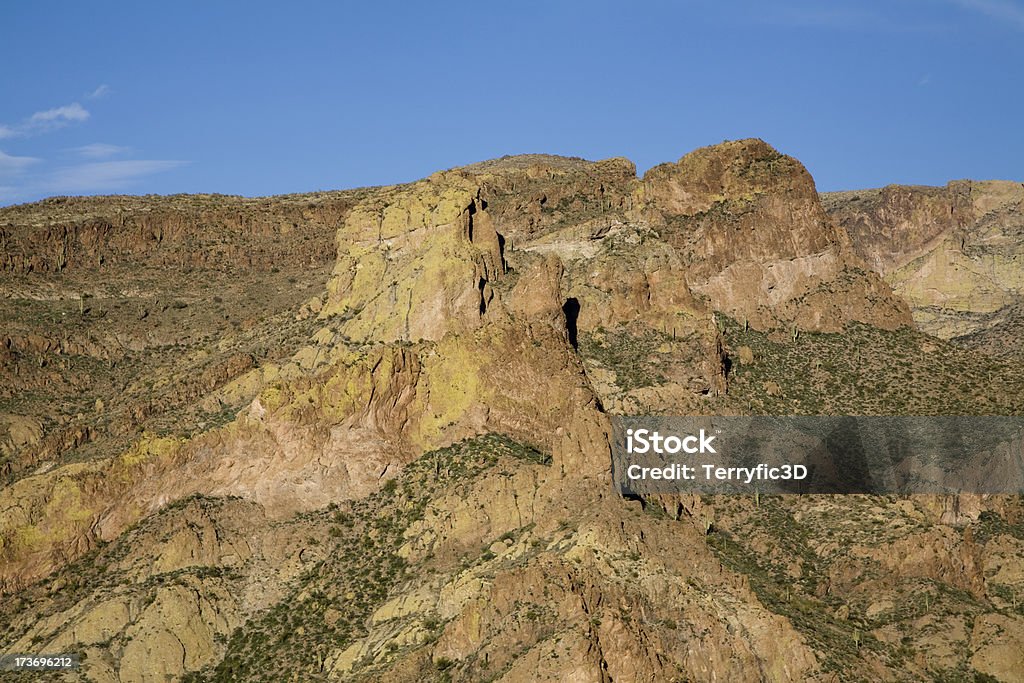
(364, 435)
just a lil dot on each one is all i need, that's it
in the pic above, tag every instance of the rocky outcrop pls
(606, 598)
(747, 222)
(227, 233)
(532, 195)
(952, 253)
(743, 220)
(416, 263)
(893, 226)
(379, 390)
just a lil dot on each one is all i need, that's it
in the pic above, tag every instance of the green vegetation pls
(327, 606)
(867, 371)
(630, 353)
(324, 609)
(794, 579)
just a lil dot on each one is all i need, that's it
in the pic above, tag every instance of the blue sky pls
(271, 97)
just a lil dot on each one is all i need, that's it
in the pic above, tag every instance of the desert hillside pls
(364, 435)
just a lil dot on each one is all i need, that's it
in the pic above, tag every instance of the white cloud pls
(59, 115)
(52, 119)
(47, 120)
(99, 170)
(12, 165)
(104, 176)
(100, 150)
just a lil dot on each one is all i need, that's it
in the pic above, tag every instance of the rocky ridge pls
(337, 505)
(952, 253)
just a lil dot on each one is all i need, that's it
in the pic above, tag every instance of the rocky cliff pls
(366, 436)
(748, 221)
(952, 253)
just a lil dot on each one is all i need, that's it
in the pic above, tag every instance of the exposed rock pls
(70, 233)
(998, 644)
(953, 253)
(747, 221)
(401, 471)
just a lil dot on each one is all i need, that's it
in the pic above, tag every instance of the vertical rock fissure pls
(571, 309)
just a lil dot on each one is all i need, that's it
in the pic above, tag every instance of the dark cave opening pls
(571, 309)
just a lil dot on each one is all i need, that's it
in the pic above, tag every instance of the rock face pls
(952, 253)
(747, 221)
(227, 233)
(367, 436)
(416, 263)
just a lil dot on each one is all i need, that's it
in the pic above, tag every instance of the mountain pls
(952, 253)
(366, 434)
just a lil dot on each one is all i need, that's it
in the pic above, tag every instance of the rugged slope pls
(747, 221)
(120, 313)
(401, 470)
(953, 253)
